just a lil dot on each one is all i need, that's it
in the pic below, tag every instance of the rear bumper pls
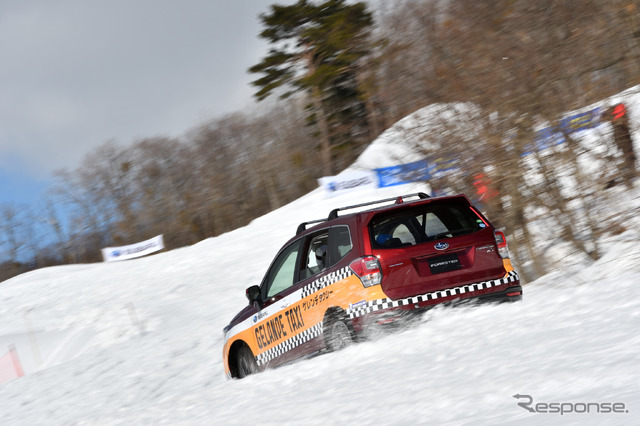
(506, 289)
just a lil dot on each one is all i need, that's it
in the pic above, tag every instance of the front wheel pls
(338, 335)
(246, 362)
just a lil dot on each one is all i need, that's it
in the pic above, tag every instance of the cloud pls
(76, 73)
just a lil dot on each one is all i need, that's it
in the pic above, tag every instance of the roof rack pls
(303, 225)
(334, 212)
(398, 200)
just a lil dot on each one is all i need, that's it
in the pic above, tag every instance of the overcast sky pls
(75, 73)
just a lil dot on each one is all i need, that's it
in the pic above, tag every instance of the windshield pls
(423, 224)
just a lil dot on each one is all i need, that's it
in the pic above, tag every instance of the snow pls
(140, 341)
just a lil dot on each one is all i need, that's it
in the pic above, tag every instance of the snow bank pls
(140, 341)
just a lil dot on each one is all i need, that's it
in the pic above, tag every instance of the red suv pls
(353, 271)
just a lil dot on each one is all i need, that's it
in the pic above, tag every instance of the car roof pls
(399, 203)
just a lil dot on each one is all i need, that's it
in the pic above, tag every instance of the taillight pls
(501, 241)
(368, 270)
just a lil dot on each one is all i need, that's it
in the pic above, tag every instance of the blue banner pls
(421, 171)
(403, 173)
(443, 167)
(552, 136)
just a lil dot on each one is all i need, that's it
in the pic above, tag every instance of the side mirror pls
(253, 293)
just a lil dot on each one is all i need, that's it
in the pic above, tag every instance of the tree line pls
(339, 74)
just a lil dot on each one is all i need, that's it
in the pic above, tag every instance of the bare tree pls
(12, 231)
(522, 65)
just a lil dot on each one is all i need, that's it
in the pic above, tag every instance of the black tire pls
(338, 334)
(245, 362)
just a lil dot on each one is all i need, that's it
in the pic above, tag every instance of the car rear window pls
(420, 224)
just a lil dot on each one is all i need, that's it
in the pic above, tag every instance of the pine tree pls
(317, 49)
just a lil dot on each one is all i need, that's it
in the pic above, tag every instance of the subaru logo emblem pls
(441, 246)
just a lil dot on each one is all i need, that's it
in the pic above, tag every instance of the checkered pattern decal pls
(315, 330)
(325, 281)
(289, 344)
(386, 303)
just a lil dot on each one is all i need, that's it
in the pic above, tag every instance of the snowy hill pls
(140, 341)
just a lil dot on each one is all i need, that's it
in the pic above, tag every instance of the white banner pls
(111, 254)
(349, 182)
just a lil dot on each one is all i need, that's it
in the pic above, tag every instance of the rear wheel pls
(246, 362)
(338, 334)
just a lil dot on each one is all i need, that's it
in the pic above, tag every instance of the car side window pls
(315, 260)
(281, 276)
(339, 243)
(324, 249)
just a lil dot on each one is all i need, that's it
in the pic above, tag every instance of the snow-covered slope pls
(140, 342)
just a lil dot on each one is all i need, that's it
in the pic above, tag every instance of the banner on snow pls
(418, 171)
(552, 136)
(348, 182)
(111, 254)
